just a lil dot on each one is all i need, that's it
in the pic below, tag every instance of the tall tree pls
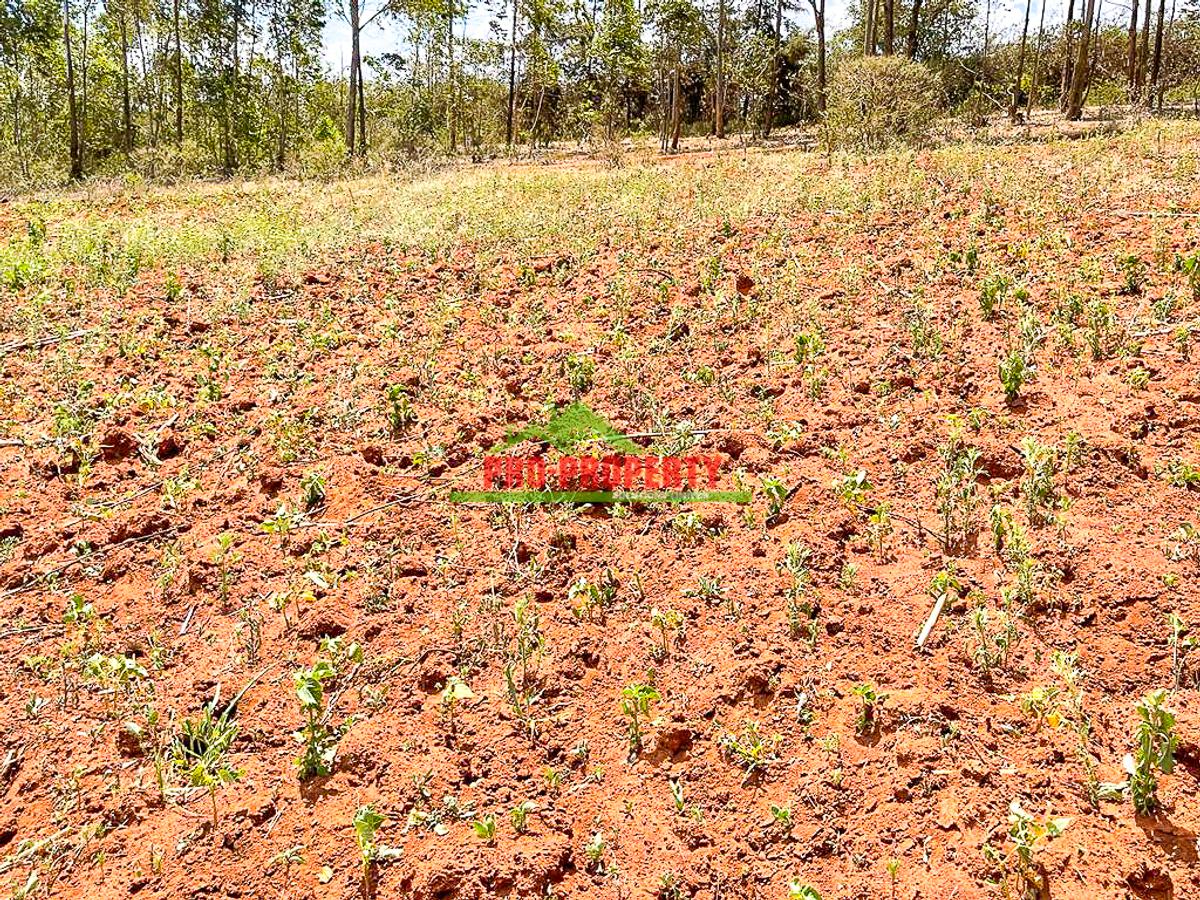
(818, 9)
(75, 140)
(1081, 69)
(1068, 63)
(1015, 103)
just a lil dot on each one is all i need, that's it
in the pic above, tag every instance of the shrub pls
(881, 102)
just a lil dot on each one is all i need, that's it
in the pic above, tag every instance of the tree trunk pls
(352, 92)
(451, 112)
(1131, 51)
(126, 104)
(719, 100)
(889, 27)
(362, 111)
(1016, 91)
(1143, 60)
(818, 8)
(913, 22)
(869, 28)
(676, 104)
(512, 78)
(1068, 57)
(773, 94)
(1037, 65)
(1079, 76)
(76, 148)
(1156, 65)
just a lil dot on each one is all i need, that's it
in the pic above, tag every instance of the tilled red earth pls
(176, 427)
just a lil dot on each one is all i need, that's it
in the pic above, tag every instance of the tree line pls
(177, 86)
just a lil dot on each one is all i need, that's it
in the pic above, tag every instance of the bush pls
(877, 102)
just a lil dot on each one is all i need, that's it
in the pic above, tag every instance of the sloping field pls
(253, 649)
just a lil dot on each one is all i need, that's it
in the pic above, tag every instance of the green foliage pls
(636, 700)
(318, 736)
(877, 102)
(1154, 752)
(199, 752)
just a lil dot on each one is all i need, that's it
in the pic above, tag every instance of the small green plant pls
(868, 712)
(853, 488)
(485, 828)
(808, 346)
(519, 815)
(199, 752)
(1027, 834)
(689, 527)
(677, 794)
(318, 736)
(1037, 484)
(398, 408)
(636, 700)
(1016, 371)
(750, 750)
(781, 816)
(225, 558)
(956, 495)
(579, 369)
(992, 292)
(1009, 538)
(1154, 751)
(312, 490)
(1133, 273)
(1189, 266)
(880, 530)
(589, 600)
(776, 492)
(1180, 474)
(992, 647)
(801, 612)
(798, 890)
(1181, 643)
(594, 851)
(666, 623)
(366, 822)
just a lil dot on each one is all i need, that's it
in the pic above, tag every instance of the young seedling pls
(1181, 642)
(1026, 834)
(868, 713)
(852, 489)
(454, 693)
(776, 492)
(485, 829)
(1037, 485)
(677, 794)
(1015, 372)
(312, 490)
(594, 851)
(317, 736)
(666, 623)
(880, 530)
(955, 492)
(366, 823)
(992, 649)
(798, 890)
(1154, 751)
(519, 816)
(750, 750)
(199, 752)
(398, 408)
(635, 704)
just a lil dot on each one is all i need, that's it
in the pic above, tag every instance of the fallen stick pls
(931, 621)
(43, 341)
